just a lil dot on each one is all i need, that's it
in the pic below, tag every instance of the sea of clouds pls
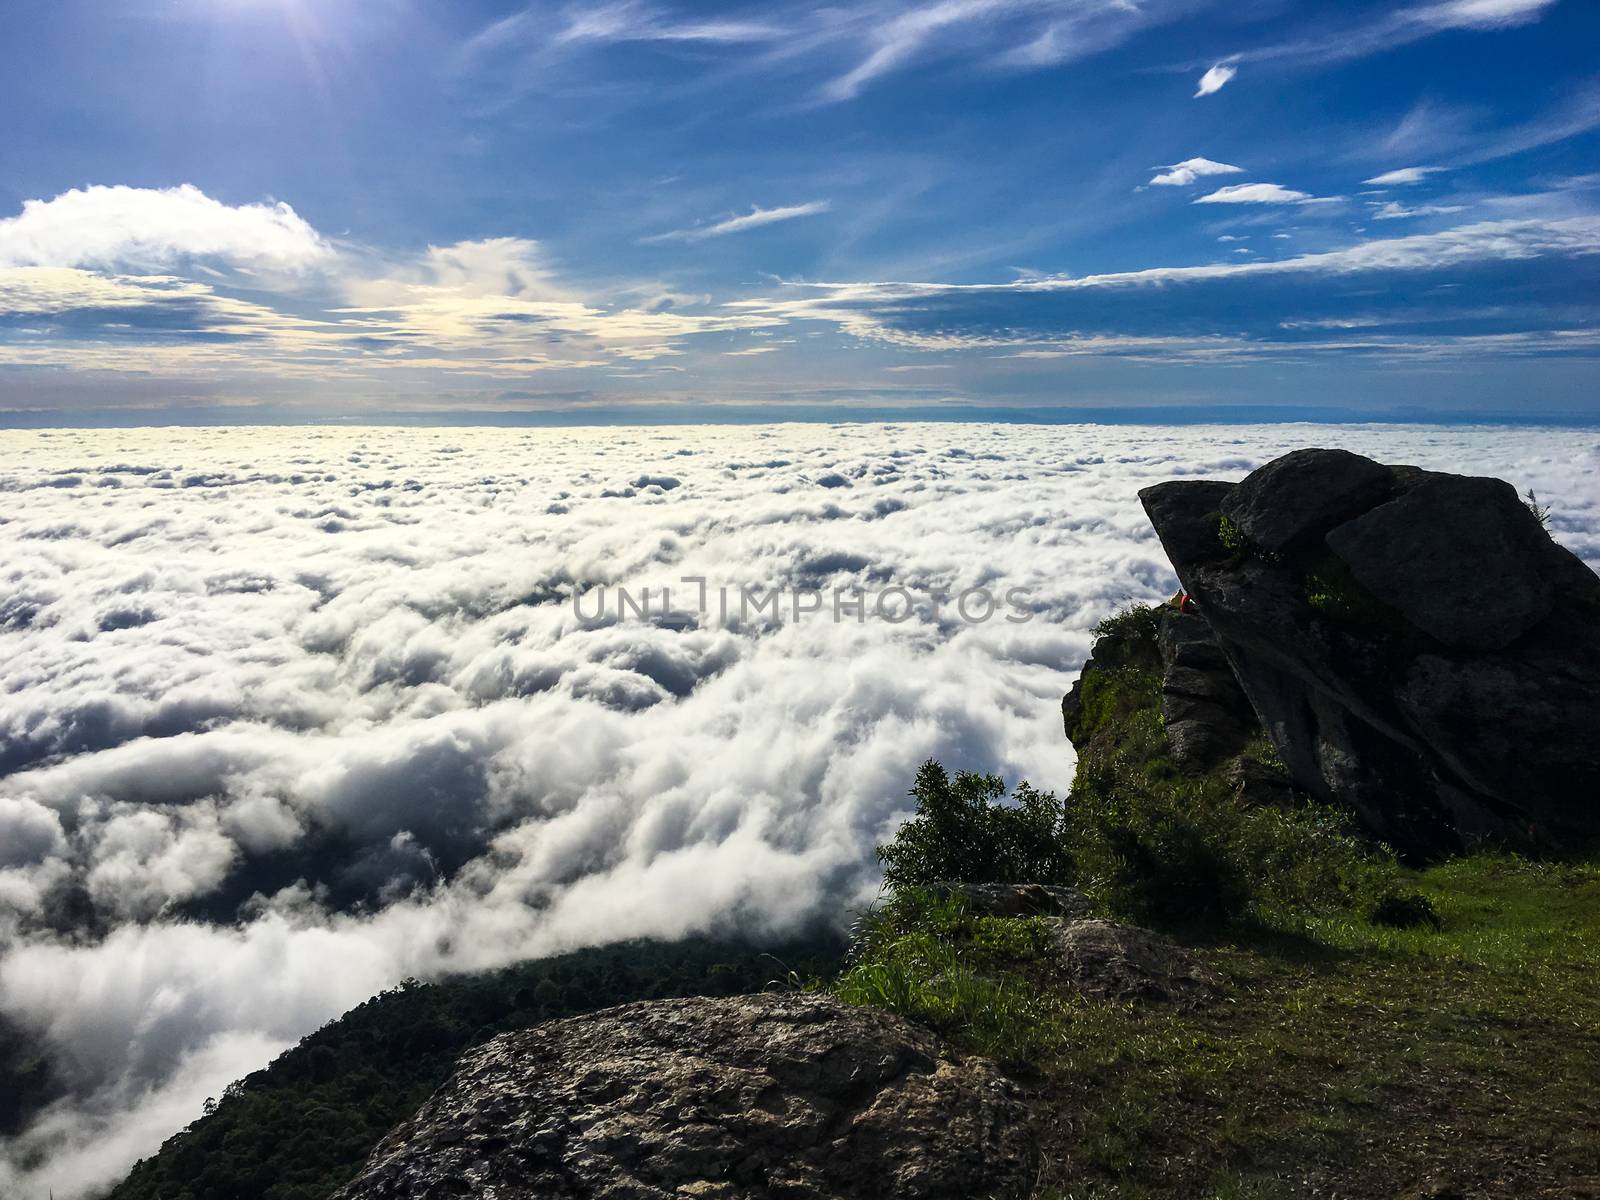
(288, 715)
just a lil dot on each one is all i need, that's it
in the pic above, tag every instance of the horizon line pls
(677, 415)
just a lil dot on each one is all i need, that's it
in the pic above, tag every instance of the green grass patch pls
(1344, 1059)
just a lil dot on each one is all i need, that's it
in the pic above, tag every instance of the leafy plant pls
(1541, 512)
(1334, 591)
(1239, 543)
(963, 832)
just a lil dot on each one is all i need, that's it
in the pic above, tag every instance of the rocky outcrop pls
(793, 1096)
(1205, 711)
(1416, 646)
(1105, 960)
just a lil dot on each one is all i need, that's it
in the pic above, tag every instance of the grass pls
(972, 979)
(1344, 1059)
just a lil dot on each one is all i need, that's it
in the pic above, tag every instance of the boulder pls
(1462, 558)
(793, 1096)
(1105, 960)
(1189, 510)
(1294, 500)
(1445, 691)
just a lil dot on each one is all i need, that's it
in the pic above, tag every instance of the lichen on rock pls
(779, 1095)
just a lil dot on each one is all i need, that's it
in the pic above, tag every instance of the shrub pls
(1232, 537)
(963, 832)
(1130, 633)
(1237, 542)
(1174, 850)
(927, 958)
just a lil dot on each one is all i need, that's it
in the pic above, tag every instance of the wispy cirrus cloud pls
(1010, 33)
(611, 23)
(1393, 211)
(1340, 42)
(845, 50)
(1456, 136)
(1239, 309)
(637, 22)
(754, 219)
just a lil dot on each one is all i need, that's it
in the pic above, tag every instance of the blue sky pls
(367, 206)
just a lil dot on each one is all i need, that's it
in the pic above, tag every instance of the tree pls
(965, 832)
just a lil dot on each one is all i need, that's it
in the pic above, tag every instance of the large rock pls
(1206, 714)
(792, 1096)
(1105, 960)
(1461, 557)
(1415, 645)
(1294, 500)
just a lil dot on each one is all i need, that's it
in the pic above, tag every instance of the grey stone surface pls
(789, 1096)
(1460, 557)
(1294, 500)
(1206, 714)
(1189, 510)
(1105, 960)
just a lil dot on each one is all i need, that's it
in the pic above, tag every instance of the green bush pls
(926, 957)
(1129, 634)
(963, 832)
(1158, 846)
(1232, 537)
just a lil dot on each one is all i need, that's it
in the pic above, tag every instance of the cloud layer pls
(294, 714)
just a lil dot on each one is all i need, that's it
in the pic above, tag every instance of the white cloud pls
(1394, 212)
(354, 633)
(1214, 80)
(1255, 193)
(1402, 27)
(1189, 170)
(490, 307)
(635, 22)
(1014, 33)
(1034, 313)
(1403, 175)
(143, 227)
(1478, 14)
(753, 219)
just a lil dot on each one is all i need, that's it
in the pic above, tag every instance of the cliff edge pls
(1415, 645)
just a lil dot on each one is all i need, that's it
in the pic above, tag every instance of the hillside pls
(1378, 1031)
(300, 1127)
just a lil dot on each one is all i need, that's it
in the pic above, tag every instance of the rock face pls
(1414, 643)
(1205, 711)
(792, 1096)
